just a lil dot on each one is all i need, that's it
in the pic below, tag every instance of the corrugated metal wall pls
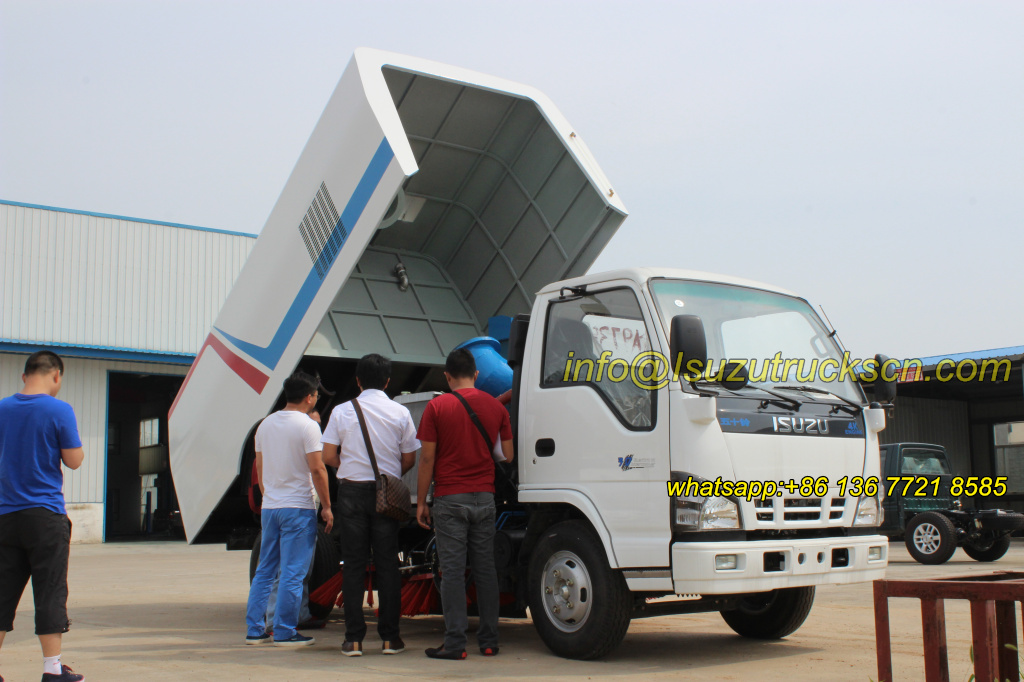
(939, 422)
(85, 389)
(79, 279)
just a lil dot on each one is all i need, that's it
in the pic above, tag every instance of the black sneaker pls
(66, 675)
(441, 652)
(259, 640)
(352, 648)
(489, 650)
(295, 640)
(391, 646)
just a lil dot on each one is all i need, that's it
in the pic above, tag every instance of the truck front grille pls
(799, 510)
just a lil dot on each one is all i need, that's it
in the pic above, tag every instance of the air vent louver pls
(322, 231)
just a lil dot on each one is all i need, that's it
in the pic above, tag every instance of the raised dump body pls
(428, 199)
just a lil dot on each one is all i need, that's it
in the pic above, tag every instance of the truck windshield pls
(780, 338)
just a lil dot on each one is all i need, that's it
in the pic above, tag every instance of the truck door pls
(925, 480)
(592, 428)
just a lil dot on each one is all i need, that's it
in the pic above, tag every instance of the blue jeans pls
(464, 528)
(304, 613)
(289, 536)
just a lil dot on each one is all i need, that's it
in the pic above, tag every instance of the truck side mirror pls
(885, 390)
(686, 337)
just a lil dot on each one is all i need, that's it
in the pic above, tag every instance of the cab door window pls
(594, 341)
(923, 463)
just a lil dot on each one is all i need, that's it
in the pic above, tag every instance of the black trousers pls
(35, 543)
(363, 530)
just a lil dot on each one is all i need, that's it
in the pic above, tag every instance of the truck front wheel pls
(931, 538)
(771, 615)
(579, 605)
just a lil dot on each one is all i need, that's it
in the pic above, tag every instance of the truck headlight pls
(705, 513)
(699, 512)
(719, 513)
(869, 512)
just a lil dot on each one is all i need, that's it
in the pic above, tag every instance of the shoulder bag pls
(393, 498)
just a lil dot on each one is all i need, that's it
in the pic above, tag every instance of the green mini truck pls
(920, 507)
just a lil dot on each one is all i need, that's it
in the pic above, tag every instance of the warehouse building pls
(976, 415)
(127, 304)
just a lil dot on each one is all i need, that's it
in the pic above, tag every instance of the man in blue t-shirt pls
(37, 434)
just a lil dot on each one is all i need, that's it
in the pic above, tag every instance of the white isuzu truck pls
(431, 200)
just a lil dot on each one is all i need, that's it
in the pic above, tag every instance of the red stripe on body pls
(256, 379)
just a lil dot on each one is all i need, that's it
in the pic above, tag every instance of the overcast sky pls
(867, 155)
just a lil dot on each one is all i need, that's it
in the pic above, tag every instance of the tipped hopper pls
(427, 200)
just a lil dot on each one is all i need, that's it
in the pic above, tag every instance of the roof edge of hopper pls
(371, 61)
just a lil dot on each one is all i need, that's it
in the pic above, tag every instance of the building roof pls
(1010, 352)
(101, 285)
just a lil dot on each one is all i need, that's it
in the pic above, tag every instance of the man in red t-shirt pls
(459, 458)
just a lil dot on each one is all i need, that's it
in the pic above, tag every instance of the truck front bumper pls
(761, 565)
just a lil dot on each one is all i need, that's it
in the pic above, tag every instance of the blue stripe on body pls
(271, 354)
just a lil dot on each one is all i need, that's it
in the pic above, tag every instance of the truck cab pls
(604, 428)
(916, 460)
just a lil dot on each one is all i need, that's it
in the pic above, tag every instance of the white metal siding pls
(85, 389)
(84, 280)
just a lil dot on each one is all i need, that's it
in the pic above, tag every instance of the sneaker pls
(441, 652)
(66, 675)
(295, 640)
(350, 648)
(489, 650)
(391, 646)
(257, 640)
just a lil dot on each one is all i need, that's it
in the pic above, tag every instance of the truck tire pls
(771, 615)
(988, 551)
(326, 560)
(930, 538)
(580, 606)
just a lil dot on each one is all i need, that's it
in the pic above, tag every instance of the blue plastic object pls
(495, 375)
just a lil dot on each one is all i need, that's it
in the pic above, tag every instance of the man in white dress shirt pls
(393, 436)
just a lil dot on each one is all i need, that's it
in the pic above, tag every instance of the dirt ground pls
(165, 611)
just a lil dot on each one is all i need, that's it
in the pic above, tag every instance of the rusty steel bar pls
(883, 652)
(973, 591)
(983, 626)
(1006, 641)
(933, 628)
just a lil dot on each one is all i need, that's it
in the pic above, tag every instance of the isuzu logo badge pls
(802, 425)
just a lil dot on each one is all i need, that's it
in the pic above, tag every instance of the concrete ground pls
(163, 611)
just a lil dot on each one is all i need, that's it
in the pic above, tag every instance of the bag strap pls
(476, 421)
(366, 439)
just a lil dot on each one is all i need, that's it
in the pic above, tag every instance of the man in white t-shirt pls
(393, 436)
(289, 464)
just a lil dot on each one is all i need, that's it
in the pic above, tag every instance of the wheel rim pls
(927, 538)
(566, 591)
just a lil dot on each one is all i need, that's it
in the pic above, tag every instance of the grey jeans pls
(464, 524)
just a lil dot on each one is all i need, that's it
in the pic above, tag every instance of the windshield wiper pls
(703, 385)
(787, 401)
(776, 399)
(850, 407)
